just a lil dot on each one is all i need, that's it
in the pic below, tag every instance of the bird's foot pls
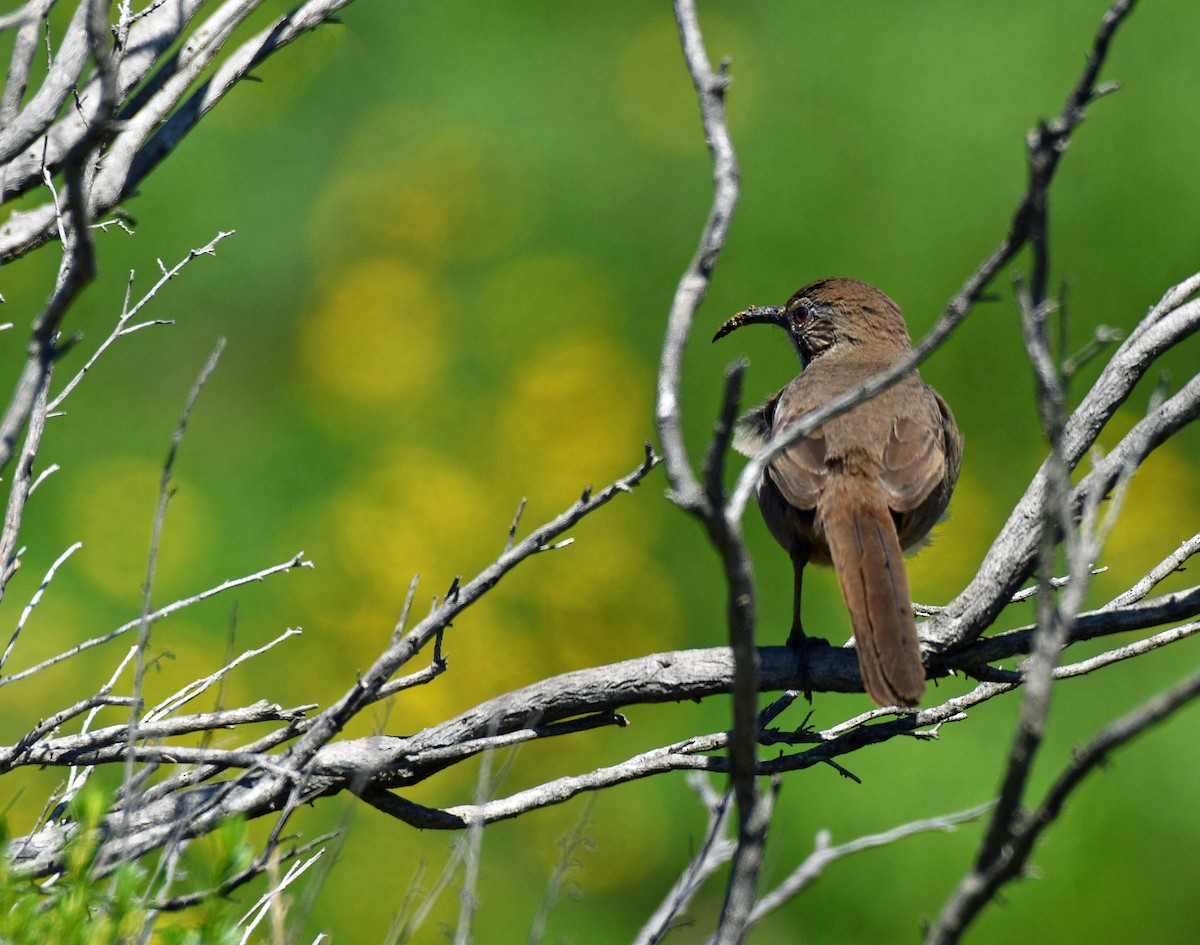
(803, 646)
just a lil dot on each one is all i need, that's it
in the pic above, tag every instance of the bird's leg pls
(797, 639)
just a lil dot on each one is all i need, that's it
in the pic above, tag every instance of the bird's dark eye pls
(800, 314)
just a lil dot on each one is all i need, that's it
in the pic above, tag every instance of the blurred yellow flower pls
(654, 94)
(575, 415)
(376, 335)
(957, 544)
(415, 510)
(110, 507)
(541, 297)
(610, 584)
(1161, 509)
(444, 192)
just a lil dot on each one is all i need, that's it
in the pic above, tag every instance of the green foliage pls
(82, 907)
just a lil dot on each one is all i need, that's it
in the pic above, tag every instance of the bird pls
(865, 485)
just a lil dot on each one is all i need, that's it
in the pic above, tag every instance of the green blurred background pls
(459, 227)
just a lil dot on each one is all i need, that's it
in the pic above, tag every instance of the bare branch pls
(19, 492)
(155, 122)
(158, 818)
(164, 493)
(123, 327)
(193, 689)
(79, 263)
(1160, 572)
(1010, 559)
(714, 852)
(710, 88)
(824, 855)
(46, 103)
(298, 561)
(239, 879)
(981, 885)
(367, 690)
(36, 599)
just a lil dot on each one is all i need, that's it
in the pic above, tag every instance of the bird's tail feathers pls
(869, 563)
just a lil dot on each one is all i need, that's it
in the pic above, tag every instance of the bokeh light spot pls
(416, 511)
(444, 193)
(576, 413)
(539, 296)
(654, 94)
(110, 508)
(957, 543)
(610, 584)
(1160, 509)
(375, 336)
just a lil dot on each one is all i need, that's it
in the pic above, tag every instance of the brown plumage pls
(864, 485)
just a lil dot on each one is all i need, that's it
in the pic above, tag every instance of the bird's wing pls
(914, 459)
(801, 470)
(753, 428)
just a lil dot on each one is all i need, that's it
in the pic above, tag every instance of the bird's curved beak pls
(754, 315)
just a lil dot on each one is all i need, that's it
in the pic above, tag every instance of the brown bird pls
(864, 485)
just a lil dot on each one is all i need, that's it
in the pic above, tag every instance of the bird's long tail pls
(870, 568)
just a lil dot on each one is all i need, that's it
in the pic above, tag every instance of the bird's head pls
(829, 314)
